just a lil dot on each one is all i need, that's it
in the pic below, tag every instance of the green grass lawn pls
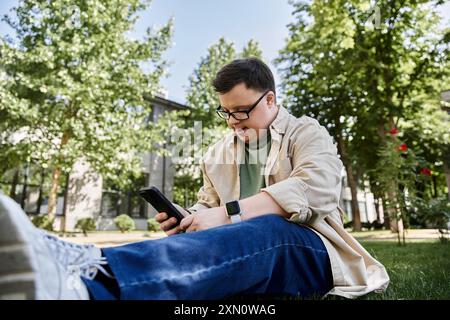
(419, 270)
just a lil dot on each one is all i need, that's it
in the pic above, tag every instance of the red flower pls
(425, 171)
(393, 131)
(403, 147)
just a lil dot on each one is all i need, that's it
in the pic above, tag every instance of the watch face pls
(233, 207)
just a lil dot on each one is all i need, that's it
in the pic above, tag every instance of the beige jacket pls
(303, 175)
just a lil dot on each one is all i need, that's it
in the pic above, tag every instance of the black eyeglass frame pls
(226, 115)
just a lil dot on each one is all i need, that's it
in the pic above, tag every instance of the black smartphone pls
(161, 204)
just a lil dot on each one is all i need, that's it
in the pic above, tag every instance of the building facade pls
(86, 193)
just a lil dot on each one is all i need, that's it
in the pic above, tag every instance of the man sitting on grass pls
(267, 220)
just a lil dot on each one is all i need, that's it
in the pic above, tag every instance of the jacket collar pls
(281, 121)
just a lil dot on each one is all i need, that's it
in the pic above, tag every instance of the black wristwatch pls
(234, 211)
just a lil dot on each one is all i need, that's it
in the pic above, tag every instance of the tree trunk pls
(447, 177)
(435, 190)
(393, 209)
(52, 201)
(186, 196)
(376, 202)
(62, 226)
(356, 215)
(386, 218)
(41, 186)
(352, 184)
(13, 192)
(25, 186)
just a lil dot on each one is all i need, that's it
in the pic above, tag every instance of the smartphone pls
(161, 204)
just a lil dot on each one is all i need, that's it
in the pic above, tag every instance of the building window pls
(116, 202)
(29, 185)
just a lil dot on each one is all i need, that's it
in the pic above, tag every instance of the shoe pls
(77, 259)
(36, 265)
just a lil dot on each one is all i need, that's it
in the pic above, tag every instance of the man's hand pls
(169, 225)
(166, 224)
(205, 219)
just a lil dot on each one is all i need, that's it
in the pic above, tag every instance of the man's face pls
(241, 98)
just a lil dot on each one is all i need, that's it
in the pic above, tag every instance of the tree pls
(12, 119)
(317, 81)
(251, 49)
(201, 97)
(75, 86)
(359, 70)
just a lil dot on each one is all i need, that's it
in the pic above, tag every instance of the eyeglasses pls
(238, 115)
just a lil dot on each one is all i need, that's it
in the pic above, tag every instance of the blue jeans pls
(263, 255)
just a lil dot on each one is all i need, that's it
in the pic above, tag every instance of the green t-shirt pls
(251, 172)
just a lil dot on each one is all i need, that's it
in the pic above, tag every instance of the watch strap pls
(235, 218)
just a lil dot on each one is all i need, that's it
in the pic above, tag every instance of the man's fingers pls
(161, 216)
(173, 231)
(191, 228)
(168, 224)
(186, 222)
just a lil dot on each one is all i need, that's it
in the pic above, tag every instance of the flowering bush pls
(398, 173)
(393, 131)
(403, 147)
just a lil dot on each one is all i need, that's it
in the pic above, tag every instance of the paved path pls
(412, 234)
(108, 238)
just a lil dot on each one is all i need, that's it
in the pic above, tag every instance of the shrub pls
(435, 212)
(43, 222)
(153, 225)
(85, 225)
(124, 223)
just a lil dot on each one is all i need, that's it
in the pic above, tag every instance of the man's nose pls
(233, 121)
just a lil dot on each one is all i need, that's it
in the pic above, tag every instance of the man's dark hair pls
(251, 71)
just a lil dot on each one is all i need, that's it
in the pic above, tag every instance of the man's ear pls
(270, 99)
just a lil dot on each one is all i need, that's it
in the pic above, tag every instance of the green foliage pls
(357, 77)
(360, 77)
(124, 223)
(428, 132)
(251, 50)
(74, 87)
(397, 174)
(434, 213)
(201, 97)
(85, 225)
(153, 225)
(43, 222)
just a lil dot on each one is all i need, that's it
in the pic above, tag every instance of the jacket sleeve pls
(312, 190)
(207, 196)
